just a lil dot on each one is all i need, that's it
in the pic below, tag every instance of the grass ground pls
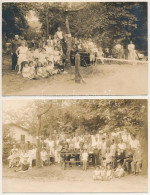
(54, 179)
(108, 79)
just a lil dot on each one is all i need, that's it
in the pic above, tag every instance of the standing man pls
(15, 45)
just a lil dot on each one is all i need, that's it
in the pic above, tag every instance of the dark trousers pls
(96, 157)
(14, 61)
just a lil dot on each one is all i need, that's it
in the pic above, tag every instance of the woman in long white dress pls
(132, 52)
(22, 55)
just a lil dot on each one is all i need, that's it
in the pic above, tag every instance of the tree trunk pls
(38, 158)
(68, 41)
(77, 68)
(145, 144)
(47, 24)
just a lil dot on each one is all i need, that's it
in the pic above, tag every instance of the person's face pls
(16, 37)
(108, 167)
(39, 64)
(31, 64)
(44, 51)
(23, 44)
(26, 65)
(59, 29)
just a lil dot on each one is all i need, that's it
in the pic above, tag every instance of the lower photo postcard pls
(80, 145)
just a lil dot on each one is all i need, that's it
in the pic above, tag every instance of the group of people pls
(40, 60)
(111, 156)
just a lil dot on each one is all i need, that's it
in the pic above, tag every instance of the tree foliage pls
(103, 21)
(13, 19)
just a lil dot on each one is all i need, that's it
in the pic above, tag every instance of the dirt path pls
(128, 184)
(54, 179)
(105, 80)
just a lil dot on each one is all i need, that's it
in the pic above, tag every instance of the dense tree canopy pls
(103, 21)
(93, 116)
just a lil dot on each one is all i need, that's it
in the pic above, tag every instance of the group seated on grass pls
(43, 61)
(112, 156)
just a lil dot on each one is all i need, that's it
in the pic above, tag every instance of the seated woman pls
(119, 172)
(32, 155)
(41, 71)
(119, 157)
(128, 159)
(26, 70)
(97, 173)
(44, 157)
(24, 162)
(50, 68)
(13, 158)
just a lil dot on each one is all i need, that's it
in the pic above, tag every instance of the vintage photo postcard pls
(75, 145)
(74, 48)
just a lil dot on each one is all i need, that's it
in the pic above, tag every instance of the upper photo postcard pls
(74, 48)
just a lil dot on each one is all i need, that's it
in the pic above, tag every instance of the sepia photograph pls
(74, 48)
(88, 145)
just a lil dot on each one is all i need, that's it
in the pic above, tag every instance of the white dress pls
(132, 53)
(26, 72)
(22, 54)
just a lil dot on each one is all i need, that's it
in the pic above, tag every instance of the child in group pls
(119, 171)
(84, 157)
(39, 70)
(109, 174)
(37, 53)
(45, 73)
(137, 161)
(32, 70)
(26, 70)
(57, 56)
(97, 173)
(24, 162)
(50, 67)
(92, 56)
(103, 173)
(43, 56)
(49, 52)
